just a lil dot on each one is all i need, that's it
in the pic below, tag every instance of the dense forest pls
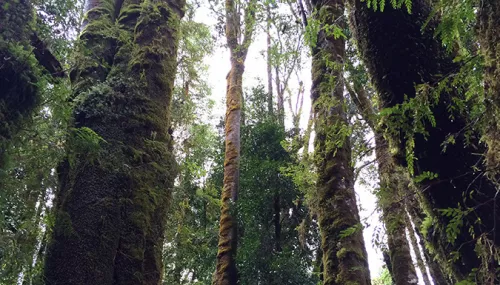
(122, 162)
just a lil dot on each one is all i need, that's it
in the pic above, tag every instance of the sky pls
(255, 72)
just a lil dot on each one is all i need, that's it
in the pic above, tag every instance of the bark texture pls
(344, 253)
(489, 38)
(115, 184)
(400, 55)
(394, 182)
(418, 252)
(226, 272)
(416, 216)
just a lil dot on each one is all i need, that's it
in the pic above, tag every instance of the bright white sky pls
(255, 72)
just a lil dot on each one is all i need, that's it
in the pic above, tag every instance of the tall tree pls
(116, 181)
(238, 43)
(344, 253)
(489, 39)
(400, 53)
(394, 181)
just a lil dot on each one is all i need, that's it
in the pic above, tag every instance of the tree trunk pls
(226, 271)
(280, 97)
(400, 55)
(390, 198)
(489, 38)
(417, 251)
(416, 216)
(393, 182)
(269, 62)
(344, 253)
(115, 184)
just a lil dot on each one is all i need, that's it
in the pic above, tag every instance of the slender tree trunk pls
(393, 178)
(417, 251)
(393, 213)
(114, 190)
(269, 61)
(280, 97)
(277, 222)
(489, 38)
(399, 55)
(226, 271)
(416, 217)
(344, 254)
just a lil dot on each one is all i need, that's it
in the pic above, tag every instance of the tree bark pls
(400, 55)
(226, 271)
(391, 194)
(416, 216)
(417, 251)
(115, 184)
(269, 61)
(344, 255)
(489, 39)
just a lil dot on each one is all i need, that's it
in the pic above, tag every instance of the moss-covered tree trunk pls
(391, 195)
(489, 38)
(226, 271)
(115, 184)
(416, 217)
(344, 253)
(416, 249)
(399, 55)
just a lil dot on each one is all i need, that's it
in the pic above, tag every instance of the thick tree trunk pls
(400, 55)
(344, 253)
(114, 190)
(489, 38)
(226, 271)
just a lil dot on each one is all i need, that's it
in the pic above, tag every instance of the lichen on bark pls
(115, 204)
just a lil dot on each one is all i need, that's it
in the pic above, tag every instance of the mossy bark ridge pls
(400, 54)
(394, 183)
(112, 201)
(344, 254)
